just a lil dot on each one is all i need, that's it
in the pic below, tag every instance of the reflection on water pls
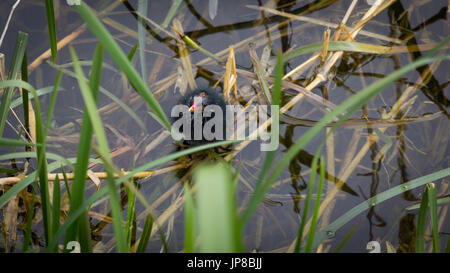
(417, 148)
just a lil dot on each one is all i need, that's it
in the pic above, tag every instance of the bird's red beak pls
(193, 107)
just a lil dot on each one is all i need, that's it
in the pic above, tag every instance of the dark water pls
(417, 149)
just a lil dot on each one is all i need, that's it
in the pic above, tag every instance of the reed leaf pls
(56, 207)
(51, 28)
(104, 152)
(312, 229)
(81, 228)
(421, 223)
(432, 203)
(16, 64)
(189, 221)
(30, 216)
(145, 236)
(215, 208)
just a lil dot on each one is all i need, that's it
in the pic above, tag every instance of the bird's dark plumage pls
(208, 96)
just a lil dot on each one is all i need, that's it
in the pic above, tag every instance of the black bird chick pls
(205, 97)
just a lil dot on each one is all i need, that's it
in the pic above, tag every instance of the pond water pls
(418, 147)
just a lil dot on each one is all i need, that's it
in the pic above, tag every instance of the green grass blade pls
(104, 152)
(130, 227)
(84, 150)
(42, 166)
(312, 228)
(421, 223)
(172, 12)
(131, 216)
(132, 52)
(16, 64)
(121, 60)
(14, 142)
(344, 241)
(237, 226)
(189, 221)
(56, 207)
(311, 185)
(212, 8)
(215, 208)
(51, 28)
(142, 9)
(40, 92)
(337, 46)
(66, 183)
(51, 105)
(447, 249)
(145, 234)
(440, 202)
(27, 236)
(432, 204)
(25, 93)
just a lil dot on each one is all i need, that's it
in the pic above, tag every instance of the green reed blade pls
(215, 208)
(40, 92)
(132, 52)
(421, 223)
(344, 241)
(51, 28)
(145, 236)
(142, 9)
(41, 160)
(212, 8)
(56, 207)
(81, 228)
(94, 117)
(440, 202)
(170, 14)
(24, 98)
(432, 204)
(51, 105)
(311, 185)
(312, 229)
(189, 221)
(27, 236)
(336, 46)
(14, 142)
(16, 64)
(131, 216)
(66, 182)
(130, 227)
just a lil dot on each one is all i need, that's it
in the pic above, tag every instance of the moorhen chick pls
(197, 100)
